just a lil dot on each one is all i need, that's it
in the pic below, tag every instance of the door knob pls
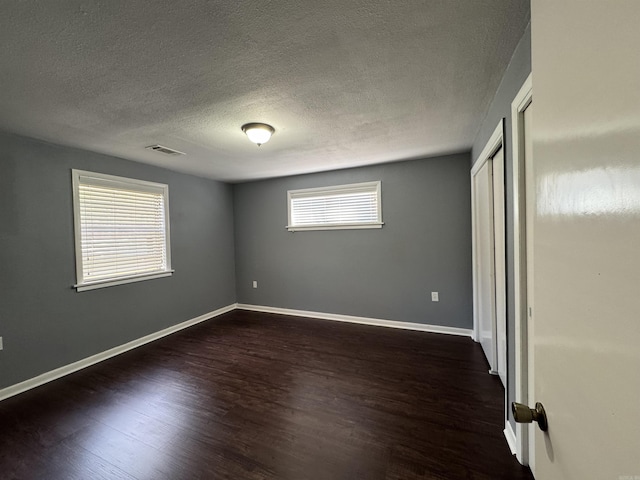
(524, 414)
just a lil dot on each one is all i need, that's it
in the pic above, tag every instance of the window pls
(341, 207)
(121, 230)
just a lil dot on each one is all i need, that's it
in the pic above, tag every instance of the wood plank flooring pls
(261, 396)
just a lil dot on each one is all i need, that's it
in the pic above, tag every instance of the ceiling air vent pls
(165, 150)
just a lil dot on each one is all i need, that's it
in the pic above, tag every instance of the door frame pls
(495, 142)
(520, 103)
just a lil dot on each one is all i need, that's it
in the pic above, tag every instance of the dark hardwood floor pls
(260, 396)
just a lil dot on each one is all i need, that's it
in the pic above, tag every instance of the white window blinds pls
(122, 229)
(339, 207)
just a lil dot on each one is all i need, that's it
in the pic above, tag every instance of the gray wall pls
(515, 75)
(388, 273)
(45, 323)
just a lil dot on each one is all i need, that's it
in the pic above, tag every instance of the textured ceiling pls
(344, 83)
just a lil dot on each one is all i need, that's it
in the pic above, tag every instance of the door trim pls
(492, 146)
(520, 103)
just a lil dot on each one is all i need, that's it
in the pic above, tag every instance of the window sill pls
(355, 226)
(81, 287)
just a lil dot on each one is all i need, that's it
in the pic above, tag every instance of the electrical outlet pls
(255, 284)
(435, 297)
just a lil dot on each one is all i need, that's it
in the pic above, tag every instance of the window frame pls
(336, 190)
(103, 179)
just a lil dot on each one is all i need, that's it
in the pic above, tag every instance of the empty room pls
(319, 240)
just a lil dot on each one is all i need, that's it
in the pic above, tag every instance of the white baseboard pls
(511, 438)
(12, 390)
(362, 320)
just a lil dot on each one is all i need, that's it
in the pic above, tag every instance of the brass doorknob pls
(524, 414)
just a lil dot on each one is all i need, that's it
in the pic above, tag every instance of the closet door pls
(484, 267)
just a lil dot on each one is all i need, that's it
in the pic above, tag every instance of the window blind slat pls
(101, 259)
(122, 211)
(106, 245)
(106, 269)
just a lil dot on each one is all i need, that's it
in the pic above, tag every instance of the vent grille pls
(165, 150)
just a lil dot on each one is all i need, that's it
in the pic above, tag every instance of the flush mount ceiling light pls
(258, 133)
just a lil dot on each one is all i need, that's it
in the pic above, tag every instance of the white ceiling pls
(344, 83)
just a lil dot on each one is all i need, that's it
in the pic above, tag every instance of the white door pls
(489, 257)
(586, 238)
(484, 261)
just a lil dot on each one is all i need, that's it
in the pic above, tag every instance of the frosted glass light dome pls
(258, 133)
